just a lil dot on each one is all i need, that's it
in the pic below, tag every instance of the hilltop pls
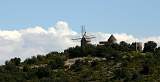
(111, 62)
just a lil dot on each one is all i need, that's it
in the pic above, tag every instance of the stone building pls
(111, 40)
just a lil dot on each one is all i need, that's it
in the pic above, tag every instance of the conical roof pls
(112, 39)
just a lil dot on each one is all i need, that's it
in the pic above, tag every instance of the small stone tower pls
(112, 39)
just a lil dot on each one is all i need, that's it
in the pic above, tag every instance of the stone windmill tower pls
(84, 39)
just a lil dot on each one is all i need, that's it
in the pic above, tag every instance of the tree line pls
(123, 63)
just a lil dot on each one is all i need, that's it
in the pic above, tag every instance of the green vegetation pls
(101, 63)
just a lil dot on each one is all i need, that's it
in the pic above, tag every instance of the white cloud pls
(10, 35)
(37, 40)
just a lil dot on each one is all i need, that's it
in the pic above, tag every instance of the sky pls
(137, 17)
(31, 27)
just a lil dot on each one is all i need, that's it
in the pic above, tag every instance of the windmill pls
(84, 39)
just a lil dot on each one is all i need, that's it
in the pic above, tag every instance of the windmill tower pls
(84, 39)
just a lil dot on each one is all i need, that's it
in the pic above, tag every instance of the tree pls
(77, 66)
(124, 46)
(157, 51)
(145, 70)
(40, 57)
(136, 46)
(150, 46)
(11, 67)
(52, 54)
(15, 61)
(26, 68)
(32, 60)
(42, 72)
(74, 52)
(56, 63)
(115, 46)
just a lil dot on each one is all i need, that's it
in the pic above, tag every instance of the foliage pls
(98, 63)
(15, 61)
(150, 46)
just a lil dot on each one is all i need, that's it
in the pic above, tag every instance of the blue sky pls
(140, 18)
(128, 20)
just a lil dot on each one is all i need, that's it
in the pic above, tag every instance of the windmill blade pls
(88, 40)
(84, 34)
(93, 37)
(90, 37)
(90, 33)
(83, 30)
(87, 35)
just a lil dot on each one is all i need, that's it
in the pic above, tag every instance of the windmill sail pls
(85, 39)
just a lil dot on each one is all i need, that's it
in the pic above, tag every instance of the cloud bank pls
(37, 40)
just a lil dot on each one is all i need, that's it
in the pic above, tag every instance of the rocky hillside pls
(107, 63)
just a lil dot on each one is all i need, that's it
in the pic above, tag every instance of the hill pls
(101, 63)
